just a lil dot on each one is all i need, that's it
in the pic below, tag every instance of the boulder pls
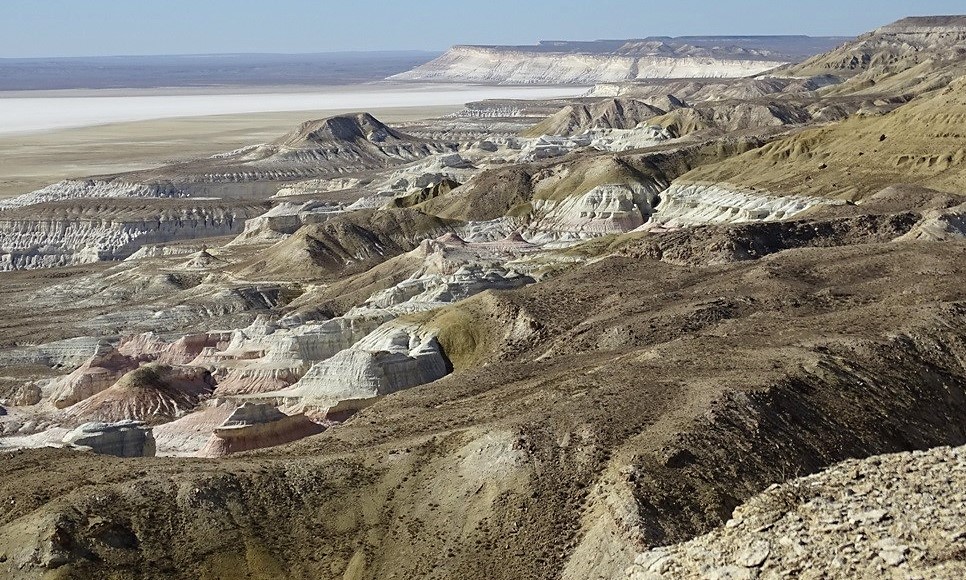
(121, 439)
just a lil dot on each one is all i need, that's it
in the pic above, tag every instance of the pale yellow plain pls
(31, 161)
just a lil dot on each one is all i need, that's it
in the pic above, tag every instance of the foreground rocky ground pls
(889, 516)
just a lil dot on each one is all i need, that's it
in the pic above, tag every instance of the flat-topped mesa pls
(926, 25)
(256, 426)
(498, 65)
(561, 62)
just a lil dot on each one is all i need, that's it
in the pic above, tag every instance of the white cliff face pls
(70, 236)
(392, 358)
(489, 65)
(605, 209)
(685, 204)
(285, 218)
(264, 357)
(613, 140)
(91, 189)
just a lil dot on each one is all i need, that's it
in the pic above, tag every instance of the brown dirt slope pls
(623, 403)
(345, 245)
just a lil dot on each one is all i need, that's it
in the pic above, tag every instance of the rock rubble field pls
(889, 516)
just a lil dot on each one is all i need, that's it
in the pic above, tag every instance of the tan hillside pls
(921, 143)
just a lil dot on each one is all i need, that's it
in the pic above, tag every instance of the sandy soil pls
(31, 161)
(42, 140)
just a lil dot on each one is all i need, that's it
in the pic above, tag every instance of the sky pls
(45, 28)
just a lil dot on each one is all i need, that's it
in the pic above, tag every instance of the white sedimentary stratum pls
(392, 358)
(67, 235)
(492, 65)
(605, 209)
(686, 204)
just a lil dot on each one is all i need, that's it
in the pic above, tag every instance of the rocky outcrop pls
(890, 516)
(335, 145)
(913, 55)
(606, 114)
(105, 368)
(152, 392)
(123, 439)
(92, 377)
(941, 225)
(700, 203)
(392, 358)
(69, 353)
(25, 395)
(605, 209)
(80, 232)
(70, 189)
(185, 436)
(285, 219)
(481, 64)
(264, 357)
(256, 426)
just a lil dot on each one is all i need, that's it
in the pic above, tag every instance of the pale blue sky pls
(110, 27)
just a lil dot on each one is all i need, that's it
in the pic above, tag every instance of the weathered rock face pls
(104, 369)
(92, 377)
(23, 396)
(68, 353)
(508, 66)
(123, 439)
(614, 113)
(700, 203)
(285, 218)
(886, 516)
(913, 54)
(605, 209)
(264, 357)
(152, 392)
(941, 225)
(80, 232)
(255, 426)
(392, 358)
(91, 189)
(335, 145)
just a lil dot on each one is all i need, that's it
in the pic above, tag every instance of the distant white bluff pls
(498, 65)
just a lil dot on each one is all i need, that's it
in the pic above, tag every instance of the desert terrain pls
(703, 319)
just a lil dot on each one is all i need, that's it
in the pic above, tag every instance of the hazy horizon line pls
(225, 54)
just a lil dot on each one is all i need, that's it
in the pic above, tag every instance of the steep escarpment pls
(73, 232)
(910, 56)
(497, 65)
